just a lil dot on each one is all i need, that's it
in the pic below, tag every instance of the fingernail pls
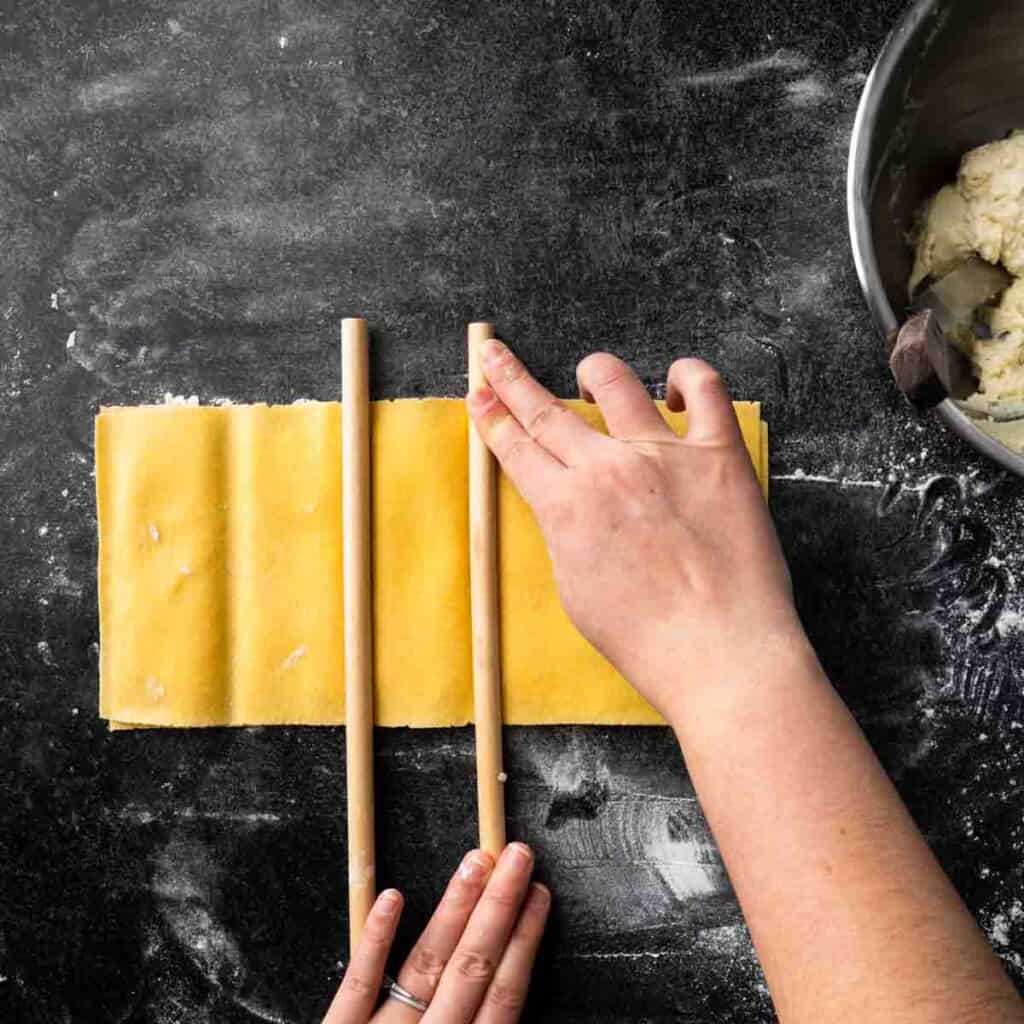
(541, 893)
(519, 854)
(474, 866)
(389, 899)
(493, 351)
(480, 398)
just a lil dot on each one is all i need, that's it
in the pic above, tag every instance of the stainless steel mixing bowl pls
(949, 78)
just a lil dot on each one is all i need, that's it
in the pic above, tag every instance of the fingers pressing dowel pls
(529, 466)
(549, 423)
(475, 959)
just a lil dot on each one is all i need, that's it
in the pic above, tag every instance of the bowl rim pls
(858, 194)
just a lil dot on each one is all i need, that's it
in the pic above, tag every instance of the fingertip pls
(492, 351)
(697, 387)
(540, 893)
(389, 903)
(691, 363)
(517, 855)
(536, 909)
(625, 404)
(475, 866)
(584, 368)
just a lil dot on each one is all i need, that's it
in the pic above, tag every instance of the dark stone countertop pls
(191, 196)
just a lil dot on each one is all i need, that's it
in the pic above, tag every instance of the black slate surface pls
(191, 195)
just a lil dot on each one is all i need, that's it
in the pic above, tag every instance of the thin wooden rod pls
(483, 565)
(355, 490)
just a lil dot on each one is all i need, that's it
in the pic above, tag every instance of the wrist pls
(729, 673)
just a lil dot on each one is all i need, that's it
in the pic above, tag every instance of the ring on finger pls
(404, 996)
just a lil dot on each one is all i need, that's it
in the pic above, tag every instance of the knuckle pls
(505, 996)
(511, 368)
(461, 895)
(376, 936)
(620, 473)
(514, 450)
(543, 416)
(358, 985)
(505, 896)
(697, 371)
(491, 422)
(603, 370)
(709, 379)
(427, 962)
(473, 965)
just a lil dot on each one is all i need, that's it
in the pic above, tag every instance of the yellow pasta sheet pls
(220, 573)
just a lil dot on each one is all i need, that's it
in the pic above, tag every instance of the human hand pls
(664, 553)
(473, 961)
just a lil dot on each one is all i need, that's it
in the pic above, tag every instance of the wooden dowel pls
(355, 500)
(483, 575)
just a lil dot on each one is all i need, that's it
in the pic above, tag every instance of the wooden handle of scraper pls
(483, 576)
(355, 501)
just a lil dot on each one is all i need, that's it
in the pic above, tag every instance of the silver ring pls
(404, 996)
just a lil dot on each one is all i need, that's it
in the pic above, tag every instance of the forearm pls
(661, 545)
(852, 917)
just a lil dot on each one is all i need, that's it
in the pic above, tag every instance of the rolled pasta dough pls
(220, 573)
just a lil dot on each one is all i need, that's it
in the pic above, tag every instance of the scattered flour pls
(688, 867)
(810, 91)
(46, 653)
(798, 475)
(999, 930)
(780, 61)
(1010, 621)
